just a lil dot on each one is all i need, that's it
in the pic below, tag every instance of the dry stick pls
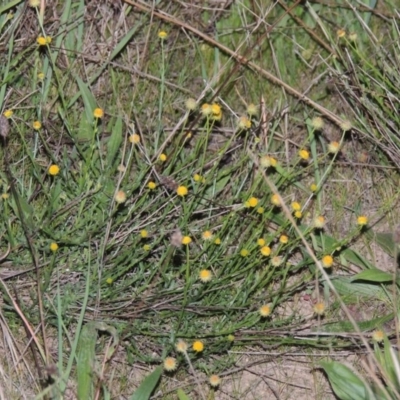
(310, 252)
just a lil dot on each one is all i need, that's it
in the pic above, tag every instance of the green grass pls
(120, 289)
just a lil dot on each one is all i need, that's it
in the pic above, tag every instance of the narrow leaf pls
(147, 387)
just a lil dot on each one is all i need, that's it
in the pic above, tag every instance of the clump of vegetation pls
(182, 183)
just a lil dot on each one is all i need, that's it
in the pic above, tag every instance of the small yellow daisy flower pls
(53, 247)
(170, 364)
(313, 187)
(5, 196)
(109, 281)
(378, 335)
(298, 214)
(304, 154)
(362, 220)
(283, 239)
(98, 113)
(207, 235)
(41, 41)
(36, 125)
(216, 109)
(244, 123)
(162, 35)
(275, 200)
(186, 240)
(197, 177)
(319, 308)
(327, 261)
(261, 242)
(206, 109)
(151, 185)
(8, 113)
(214, 380)
(120, 197)
(319, 222)
(296, 206)
(40, 76)
(268, 161)
(182, 191)
(135, 138)
(265, 251)
(146, 247)
(260, 210)
(333, 147)
(54, 169)
(181, 346)
(144, 233)
(252, 202)
(163, 157)
(198, 346)
(217, 241)
(205, 275)
(265, 310)
(244, 252)
(340, 33)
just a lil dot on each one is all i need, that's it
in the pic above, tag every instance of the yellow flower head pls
(296, 206)
(206, 109)
(163, 157)
(340, 33)
(244, 123)
(40, 76)
(276, 261)
(345, 126)
(319, 222)
(53, 247)
(313, 187)
(205, 275)
(333, 147)
(162, 35)
(8, 113)
(260, 210)
(54, 169)
(198, 346)
(261, 242)
(252, 202)
(244, 253)
(197, 177)
(362, 220)
(275, 200)
(319, 308)
(146, 247)
(217, 241)
(151, 185)
(135, 138)
(109, 281)
(41, 41)
(170, 364)
(265, 251)
(36, 125)
(181, 346)
(34, 3)
(182, 191)
(304, 154)
(283, 239)
(207, 235)
(214, 380)
(267, 161)
(378, 335)
(298, 214)
(144, 233)
(98, 113)
(216, 109)
(353, 37)
(120, 197)
(186, 240)
(265, 310)
(327, 261)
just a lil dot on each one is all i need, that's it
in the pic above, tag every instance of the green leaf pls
(373, 275)
(147, 387)
(88, 99)
(345, 383)
(182, 395)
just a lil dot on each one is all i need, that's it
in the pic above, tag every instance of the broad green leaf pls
(85, 131)
(345, 383)
(349, 289)
(182, 395)
(373, 275)
(147, 387)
